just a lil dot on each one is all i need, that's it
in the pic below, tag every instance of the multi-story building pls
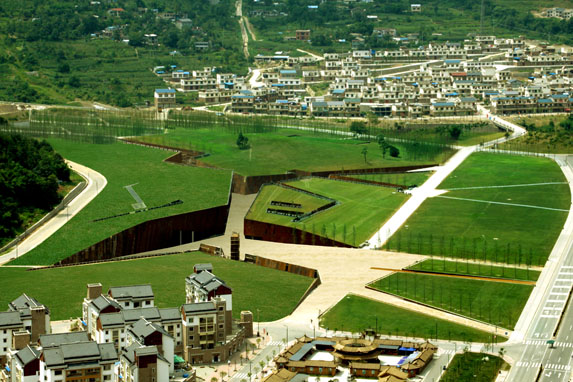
(164, 98)
(25, 314)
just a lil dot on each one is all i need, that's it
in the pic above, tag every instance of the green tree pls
(242, 142)
(358, 128)
(364, 153)
(455, 132)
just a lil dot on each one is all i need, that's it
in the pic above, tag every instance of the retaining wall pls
(156, 234)
(280, 234)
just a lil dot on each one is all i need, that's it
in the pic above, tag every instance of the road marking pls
(506, 186)
(502, 203)
(549, 316)
(139, 204)
(528, 364)
(556, 367)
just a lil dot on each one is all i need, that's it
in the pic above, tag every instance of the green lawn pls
(156, 182)
(501, 233)
(475, 269)
(354, 314)
(494, 302)
(67, 286)
(473, 367)
(361, 211)
(289, 149)
(404, 179)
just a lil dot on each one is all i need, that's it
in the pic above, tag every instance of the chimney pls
(94, 291)
(247, 322)
(38, 322)
(21, 339)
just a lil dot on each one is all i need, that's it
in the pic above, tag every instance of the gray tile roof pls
(107, 352)
(199, 307)
(144, 328)
(112, 320)
(23, 302)
(206, 281)
(55, 340)
(27, 355)
(131, 292)
(102, 302)
(203, 267)
(170, 314)
(10, 319)
(74, 353)
(132, 315)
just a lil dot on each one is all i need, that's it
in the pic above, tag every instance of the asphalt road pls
(96, 183)
(534, 356)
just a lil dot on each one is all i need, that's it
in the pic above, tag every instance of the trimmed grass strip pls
(355, 314)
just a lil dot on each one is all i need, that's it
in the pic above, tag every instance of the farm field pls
(355, 313)
(474, 367)
(360, 211)
(291, 149)
(520, 230)
(166, 274)
(460, 267)
(124, 165)
(493, 302)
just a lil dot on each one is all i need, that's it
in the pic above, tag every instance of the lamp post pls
(258, 322)
(286, 340)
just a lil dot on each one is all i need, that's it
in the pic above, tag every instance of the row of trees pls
(30, 173)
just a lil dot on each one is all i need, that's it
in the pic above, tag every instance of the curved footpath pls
(96, 183)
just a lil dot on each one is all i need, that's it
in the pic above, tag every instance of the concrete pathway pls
(96, 183)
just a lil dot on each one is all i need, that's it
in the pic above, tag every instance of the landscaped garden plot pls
(468, 366)
(355, 314)
(280, 205)
(156, 182)
(360, 211)
(494, 302)
(403, 179)
(67, 286)
(461, 267)
(502, 208)
(288, 149)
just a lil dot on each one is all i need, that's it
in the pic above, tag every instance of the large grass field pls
(63, 289)
(156, 182)
(481, 230)
(474, 269)
(355, 313)
(494, 302)
(473, 367)
(361, 211)
(290, 149)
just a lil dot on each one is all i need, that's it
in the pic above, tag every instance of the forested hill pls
(30, 172)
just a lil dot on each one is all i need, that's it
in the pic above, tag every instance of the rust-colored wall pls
(246, 185)
(156, 234)
(273, 232)
(281, 266)
(365, 181)
(372, 170)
